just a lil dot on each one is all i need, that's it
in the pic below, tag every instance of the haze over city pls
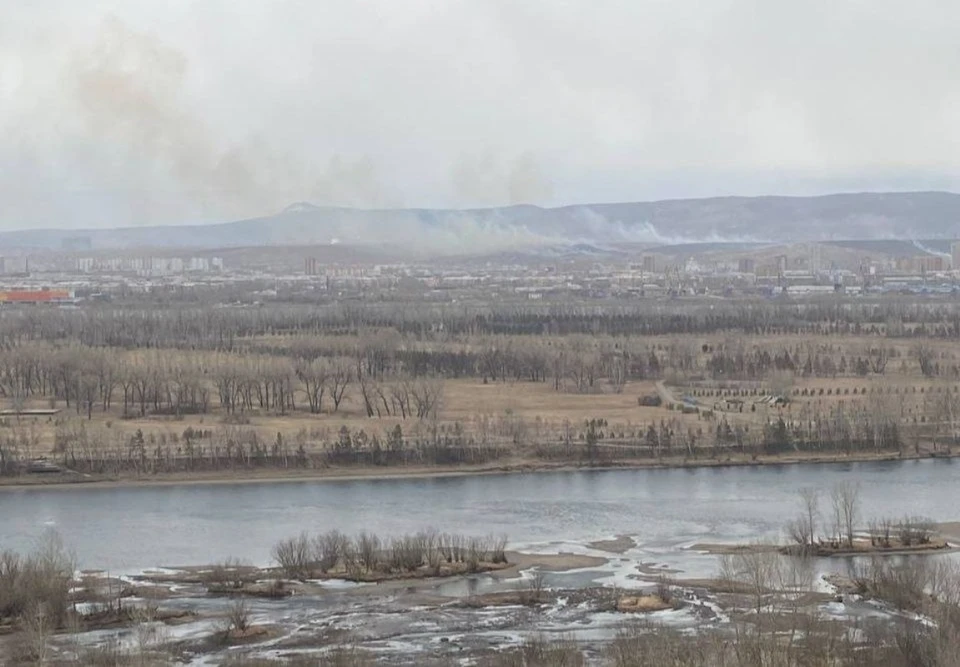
(502, 333)
(136, 113)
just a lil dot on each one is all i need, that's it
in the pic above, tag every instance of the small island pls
(839, 532)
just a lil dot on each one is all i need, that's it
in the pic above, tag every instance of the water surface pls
(133, 528)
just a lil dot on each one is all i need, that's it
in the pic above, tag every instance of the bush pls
(329, 549)
(228, 574)
(238, 616)
(406, 553)
(664, 591)
(915, 531)
(902, 585)
(293, 555)
(338, 657)
(301, 556)
(498, 550)
(540, 652)
(38, 584)
(642, 647)
(368, 551)
(533, 594)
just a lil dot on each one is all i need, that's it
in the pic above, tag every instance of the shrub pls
(902, 585)
(293, 556)
(914, 531)
(300, 556)
(37, 584)
(329, 549)
(498, 549)
(238, 616)
(228, 574)
(533, 593)
(368, 551)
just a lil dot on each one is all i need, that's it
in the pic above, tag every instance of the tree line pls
(206, 327)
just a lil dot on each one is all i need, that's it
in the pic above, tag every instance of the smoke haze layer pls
(907, 216)
(128, 113)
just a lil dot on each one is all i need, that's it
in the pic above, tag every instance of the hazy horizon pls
(547, 207)
(132, 113)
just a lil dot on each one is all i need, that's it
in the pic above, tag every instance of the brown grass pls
(641, 604)
(467, 401)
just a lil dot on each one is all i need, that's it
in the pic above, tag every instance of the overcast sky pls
(127, 112)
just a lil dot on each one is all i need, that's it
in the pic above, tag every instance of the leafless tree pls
(314, 376)
(845, 498)
(925, 358)
(339, 377)
(803, 529)
(427, 395)
(369, 393)
(878, 355)
(618, 372)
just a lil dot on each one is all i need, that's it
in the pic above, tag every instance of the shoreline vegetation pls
(47, 607)
(836, 532)
(43, 597)
(68, 479)
(861, 547)
(172, 391)
(368, 558)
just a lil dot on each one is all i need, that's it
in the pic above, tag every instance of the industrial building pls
(33, 296)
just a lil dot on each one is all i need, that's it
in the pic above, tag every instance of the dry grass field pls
(493, 408)
(434, 397)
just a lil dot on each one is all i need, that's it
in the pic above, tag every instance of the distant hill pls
(864, 216)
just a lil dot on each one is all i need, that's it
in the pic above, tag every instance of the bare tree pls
(925, 358)
(427, 395)
(756, 569)
(803, 529)
(368, 392)
(400, 397)
(878, 356)
(846, 509)
(618, 372)
(339, 377)
(943, 410)
(314, 377)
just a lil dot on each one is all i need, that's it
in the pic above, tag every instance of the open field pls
(190, 394)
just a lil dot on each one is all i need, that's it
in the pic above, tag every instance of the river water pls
(125, 529)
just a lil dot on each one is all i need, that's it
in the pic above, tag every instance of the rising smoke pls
(486, 180)
(128, 93)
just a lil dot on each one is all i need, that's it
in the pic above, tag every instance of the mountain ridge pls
(767, 218)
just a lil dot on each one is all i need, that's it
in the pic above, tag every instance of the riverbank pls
(861, 547)
(513, 466)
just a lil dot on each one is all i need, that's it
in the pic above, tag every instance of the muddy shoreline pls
(274, 476)
(180, 614)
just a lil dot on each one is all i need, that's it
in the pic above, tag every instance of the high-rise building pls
(931, 263)
(14, 265)
(955, 255)
(310, 266)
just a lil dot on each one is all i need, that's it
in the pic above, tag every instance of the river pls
(125, 529)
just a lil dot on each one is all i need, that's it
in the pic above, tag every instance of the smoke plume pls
(128, 90)
(485, 180)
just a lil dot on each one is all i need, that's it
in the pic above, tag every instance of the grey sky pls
(117, 112)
